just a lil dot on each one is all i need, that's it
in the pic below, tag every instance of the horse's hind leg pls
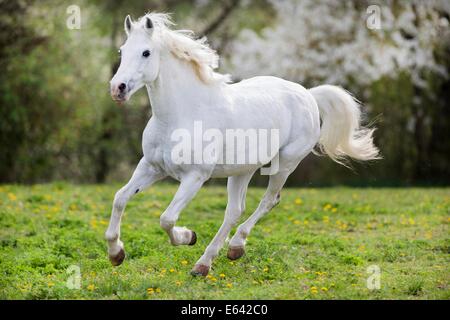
(144, 176)
(237, 188)
(271, 198)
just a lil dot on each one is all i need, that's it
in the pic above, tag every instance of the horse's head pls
(139, 63)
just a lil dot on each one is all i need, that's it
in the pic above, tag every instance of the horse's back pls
(289, 104)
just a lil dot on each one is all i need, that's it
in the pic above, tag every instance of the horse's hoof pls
(200, 270)
(118, 258)
(193, 239)
(235, 253)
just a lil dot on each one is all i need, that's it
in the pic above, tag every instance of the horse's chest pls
(157, 147)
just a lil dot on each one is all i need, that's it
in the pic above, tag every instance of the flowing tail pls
(341, 133)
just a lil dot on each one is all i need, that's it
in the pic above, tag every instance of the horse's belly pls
(227, 170)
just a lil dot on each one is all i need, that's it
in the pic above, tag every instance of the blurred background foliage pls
(57, 121)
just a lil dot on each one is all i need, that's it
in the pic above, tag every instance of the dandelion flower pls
(222, 275)
(12, 196)
(184, 262)
(229, 285)
(91, 287)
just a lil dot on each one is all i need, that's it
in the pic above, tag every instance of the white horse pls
(178, 72)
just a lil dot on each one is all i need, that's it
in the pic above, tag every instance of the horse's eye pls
(146, 53)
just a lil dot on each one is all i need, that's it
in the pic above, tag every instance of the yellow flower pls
(178, 283)
(334, 210)
(213, 279)
(51, 284)
(91, 287)
(266, 269)
(93, 223)
(172, 270)
(150, 291)
(296, 222)
(324, 289)
(326, 219)
(314, 290)
(12, 196)
(298, 201)
(229, 285)
(184, 262)
(222, 275)
(327, 207)
(158, 290)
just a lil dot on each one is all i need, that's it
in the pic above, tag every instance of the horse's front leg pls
(188, 188)
(237, 188)
(144, 175)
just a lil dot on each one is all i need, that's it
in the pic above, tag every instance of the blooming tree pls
(327, 41)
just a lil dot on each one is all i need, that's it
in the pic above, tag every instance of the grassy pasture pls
(316, 244)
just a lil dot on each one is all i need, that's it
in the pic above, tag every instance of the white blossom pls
(327, 41)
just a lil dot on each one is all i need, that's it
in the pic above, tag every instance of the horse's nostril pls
(122, 86)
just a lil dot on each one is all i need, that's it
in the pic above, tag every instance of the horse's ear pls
(128, 24)
(148, 23)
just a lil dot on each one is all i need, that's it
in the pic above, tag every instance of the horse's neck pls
(178, 94)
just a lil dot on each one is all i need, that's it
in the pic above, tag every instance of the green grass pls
(317, 244)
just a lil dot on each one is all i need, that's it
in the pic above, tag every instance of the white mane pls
(183, 45)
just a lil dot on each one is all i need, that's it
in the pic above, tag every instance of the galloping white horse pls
(178, 72)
